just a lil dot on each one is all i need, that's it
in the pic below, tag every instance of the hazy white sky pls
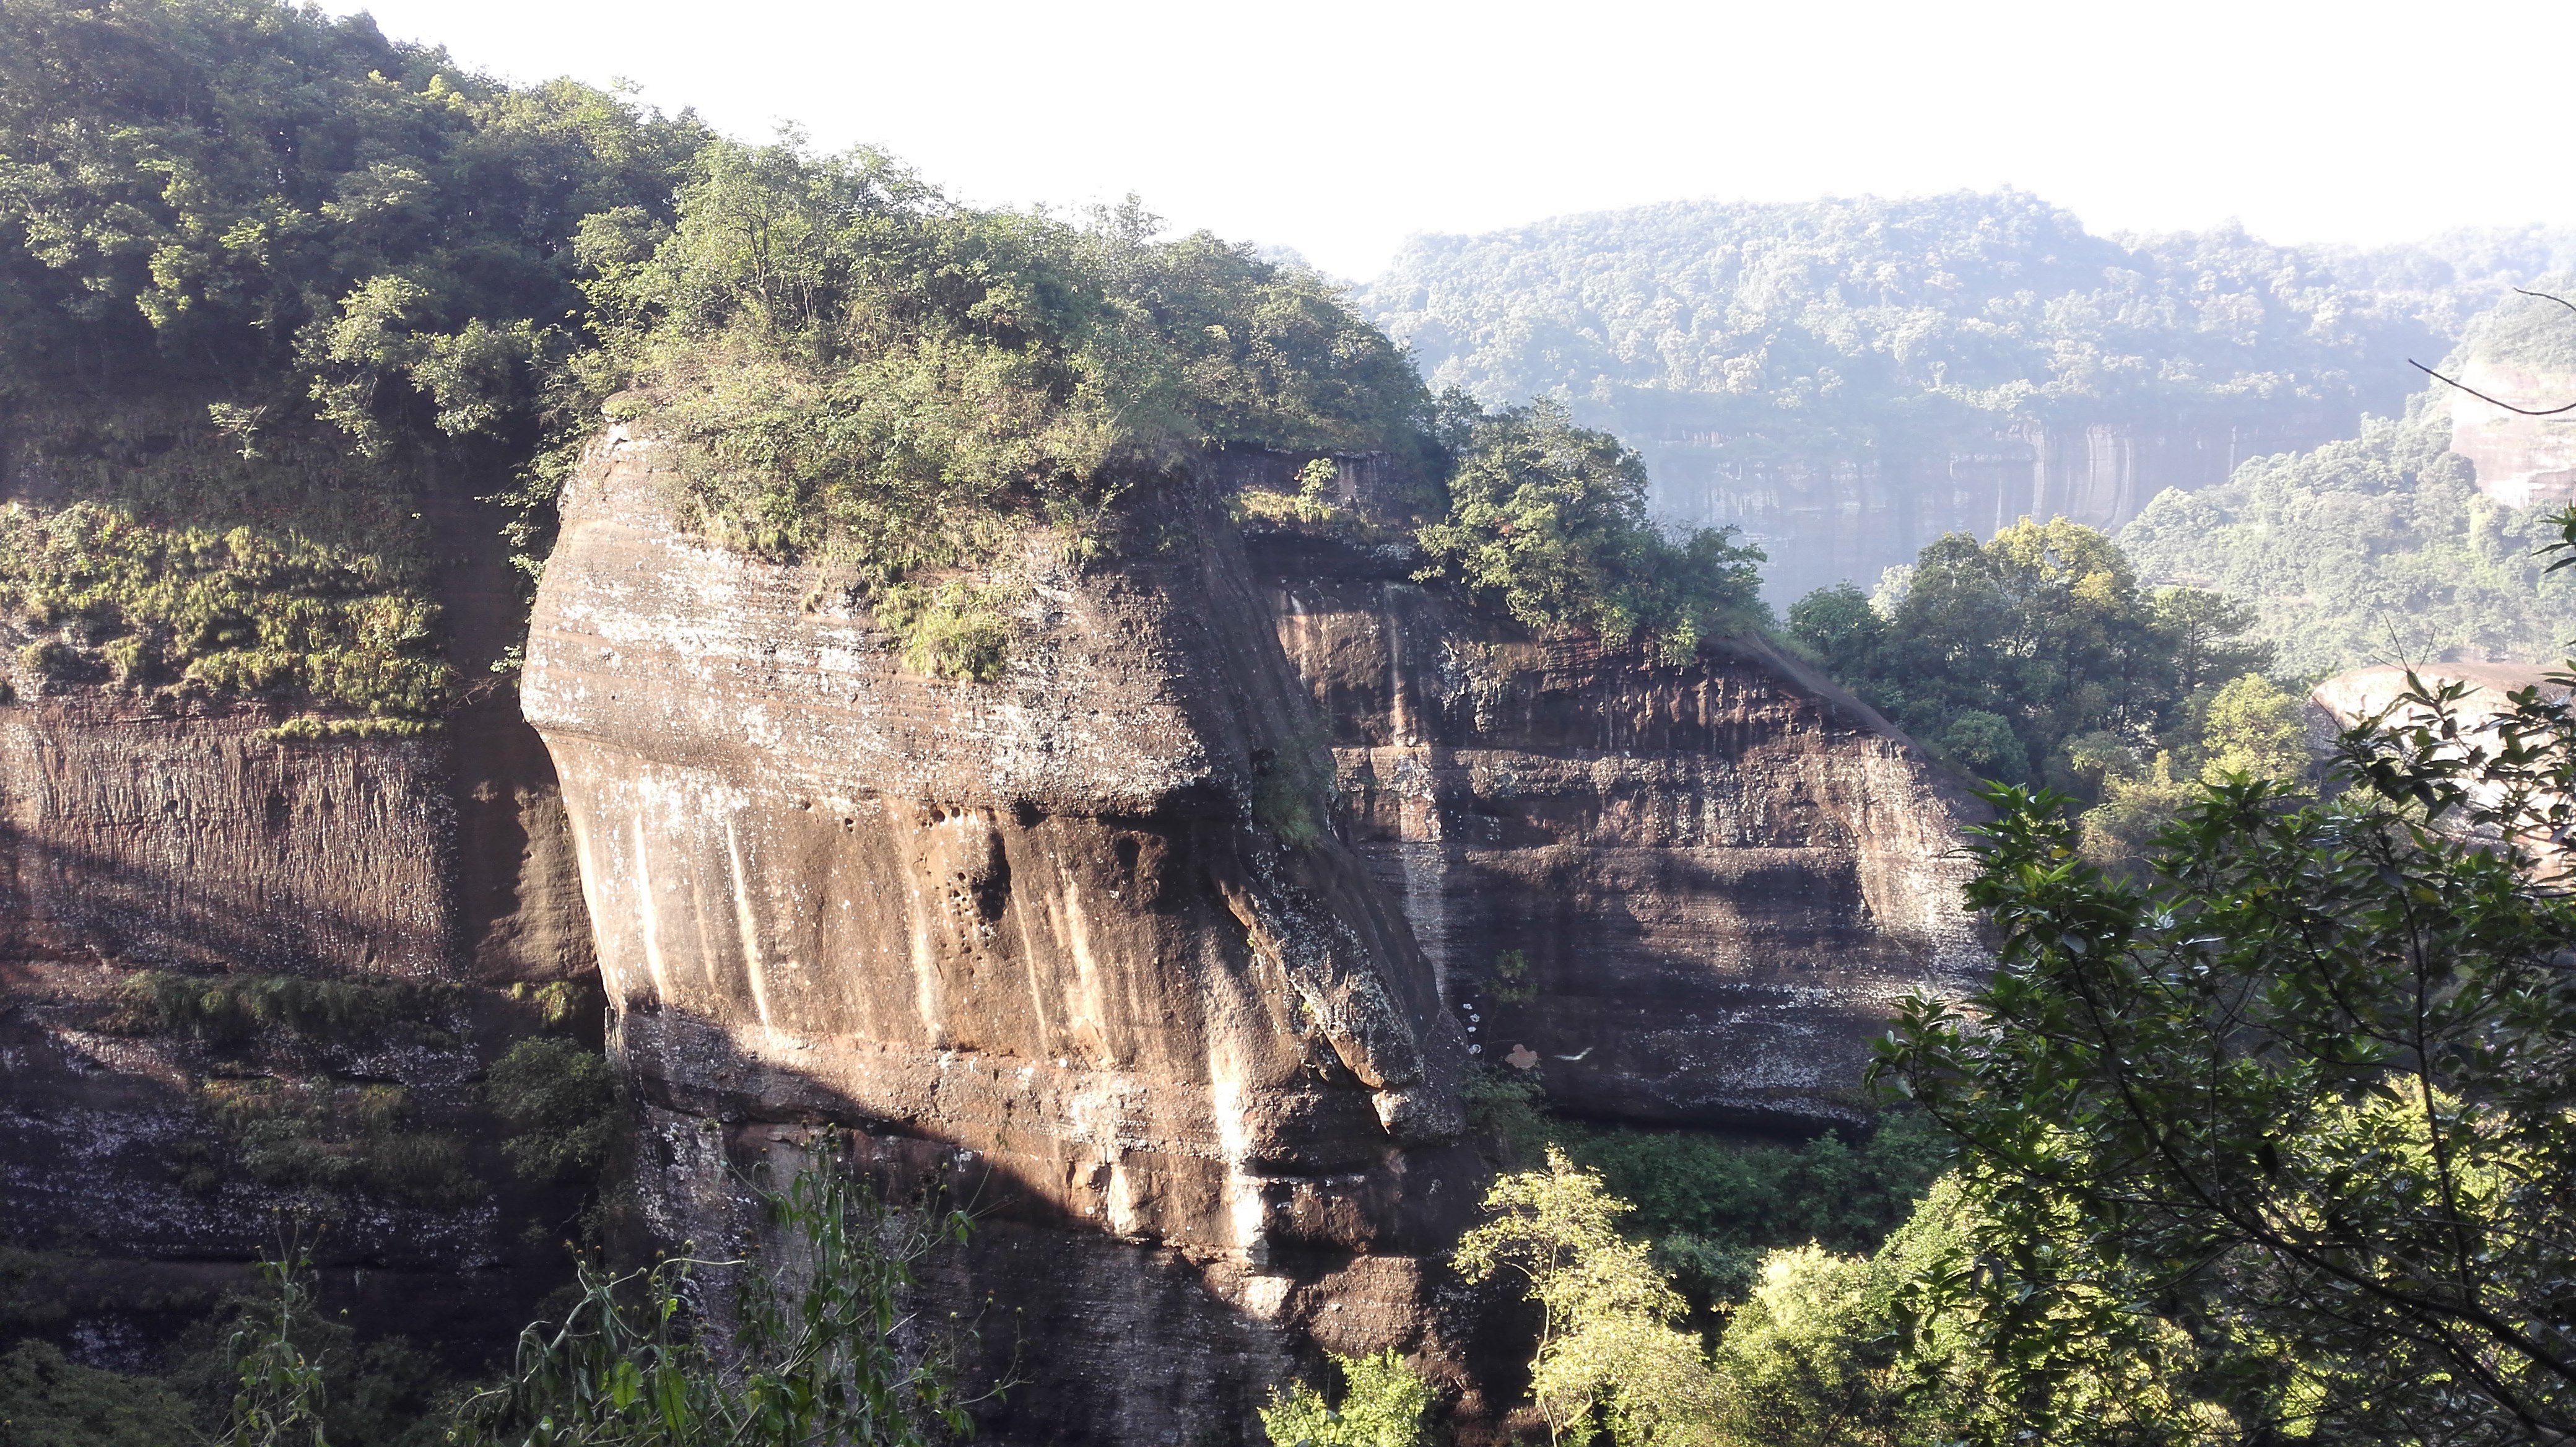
(1339, 127)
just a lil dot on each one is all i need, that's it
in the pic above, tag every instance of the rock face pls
(195, 849)
(148, 846)
(1169, 945)
(1695, 893)
(1080, 933)
(2520, 460)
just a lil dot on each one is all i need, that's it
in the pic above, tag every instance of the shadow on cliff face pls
(1106, 1336)
(131, 1214)
(58, 899)
(146, 1167)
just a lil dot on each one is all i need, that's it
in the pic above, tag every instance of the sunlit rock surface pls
(1037, 931)
(2520, 459)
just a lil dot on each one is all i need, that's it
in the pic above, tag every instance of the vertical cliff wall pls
(1684, 894)
(246, 980)
(2521, 460)
(1077, 935)
(1171, 946)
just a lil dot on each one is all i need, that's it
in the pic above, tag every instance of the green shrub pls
(1312, 505)
(954, 630)
(1289, 789)
(1713, 1205)
(46, 1401)
(336, 1137)
(1382, 1404)
(232, 1010)
(231, 613)
(562, 1102)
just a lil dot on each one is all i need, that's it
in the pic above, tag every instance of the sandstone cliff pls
(1847, 515)
(1170, 945)
(1694, 892)
(1075, 934)
(2520, 460)
(244, 980)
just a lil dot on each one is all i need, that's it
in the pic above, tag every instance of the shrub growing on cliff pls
(856, 368)
(234, 1010)
(561, 1102)
(1548, 520)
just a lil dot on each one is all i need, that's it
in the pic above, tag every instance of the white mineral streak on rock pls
(1032, 931)
(747, 923)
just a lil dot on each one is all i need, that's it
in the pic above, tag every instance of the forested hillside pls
(2382, 547)
(1847, 379)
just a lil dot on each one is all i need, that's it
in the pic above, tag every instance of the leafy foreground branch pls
(2303, 1096)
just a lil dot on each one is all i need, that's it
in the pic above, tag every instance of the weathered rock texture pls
(1077, 932)
(141, 839)
(1713, 881)
(1148, 943)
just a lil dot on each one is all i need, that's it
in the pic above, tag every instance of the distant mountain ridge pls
(1846, 379)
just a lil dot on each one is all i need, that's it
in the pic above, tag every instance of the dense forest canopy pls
(2381, 548)
(265, 274)
(262, 272)
(1867, 315)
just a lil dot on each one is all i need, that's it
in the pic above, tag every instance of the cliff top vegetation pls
(269, 282)
(860, 371)
(857, 367)
(277, 295)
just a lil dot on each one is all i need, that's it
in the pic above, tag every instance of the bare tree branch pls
(2483, 397)
(2498, 402)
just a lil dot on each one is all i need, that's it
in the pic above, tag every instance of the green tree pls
(297, 212)
(239, 239)
(561, 1102)
(1549, 521)
(857, 367)
(2254, 727)
(2301, 1093)
(1610, 1350)
(2034, 656)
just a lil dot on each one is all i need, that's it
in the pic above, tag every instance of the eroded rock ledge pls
(1696, 893)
